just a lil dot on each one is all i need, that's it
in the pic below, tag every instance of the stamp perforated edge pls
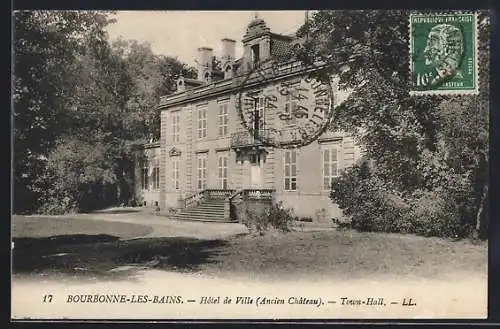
(474, 91)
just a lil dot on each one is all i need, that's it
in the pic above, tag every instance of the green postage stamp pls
(443, 53)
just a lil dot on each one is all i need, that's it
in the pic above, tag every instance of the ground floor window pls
(202, 171)
(222, 167)
(156, 173)
(175, 174)
(290, 170)
(145, 175)
(330, 166)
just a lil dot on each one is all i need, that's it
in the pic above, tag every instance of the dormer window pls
(207, 77)
(255, 54)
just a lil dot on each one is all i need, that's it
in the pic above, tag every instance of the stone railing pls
(194, 199)
(258, 194)
(218, 194)
(231, 198)
(245, 197)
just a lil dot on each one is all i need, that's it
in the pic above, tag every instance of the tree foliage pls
(421, 148)
(79, 104)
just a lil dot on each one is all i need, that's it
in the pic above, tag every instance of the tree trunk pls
(480, 217)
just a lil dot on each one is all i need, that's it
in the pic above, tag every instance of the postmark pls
(285, 105)
(443, 53)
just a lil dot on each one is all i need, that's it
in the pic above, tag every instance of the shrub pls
(261, 219)
(436, 214)
(373, 206)
(369, 203)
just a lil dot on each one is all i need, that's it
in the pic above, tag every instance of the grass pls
(348, 254)
(82, 246)
(35, 226)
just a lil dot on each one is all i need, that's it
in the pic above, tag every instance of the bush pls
(373, 206)
(435, 214)
(366, 199)
(261, 220)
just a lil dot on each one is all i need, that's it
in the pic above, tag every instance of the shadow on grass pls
(114, 211)
(107, 256)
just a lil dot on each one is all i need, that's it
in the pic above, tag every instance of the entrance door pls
(255, 171)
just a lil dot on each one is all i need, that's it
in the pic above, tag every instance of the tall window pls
(176, 127)
(290, 107)
(156, 173)
(223, 119)
(222, 177)
(175, 173)
(145, 175)
(290, 170)
(255, 54)
(202, 171)
(260, 105)
(202, 122)
(330, 166)
(348, 154)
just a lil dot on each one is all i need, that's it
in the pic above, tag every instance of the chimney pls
(228, 49)
(228, 56)
(205, 55)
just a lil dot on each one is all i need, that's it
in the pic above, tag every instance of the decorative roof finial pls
(256, 14)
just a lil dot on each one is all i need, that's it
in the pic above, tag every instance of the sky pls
(180, 33)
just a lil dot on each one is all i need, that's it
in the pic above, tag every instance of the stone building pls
(206, 152)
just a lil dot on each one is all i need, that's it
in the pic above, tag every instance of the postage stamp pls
(296, 97)
(443, 53)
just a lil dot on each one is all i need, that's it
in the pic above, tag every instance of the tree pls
(412, 141)
(80, 102)
(46, 45)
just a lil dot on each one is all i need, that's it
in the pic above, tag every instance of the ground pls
(115, 246)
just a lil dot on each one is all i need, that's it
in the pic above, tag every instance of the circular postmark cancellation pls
(443, 49)
(285, 105)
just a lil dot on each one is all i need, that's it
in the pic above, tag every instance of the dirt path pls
(462, 297)
(166, 227)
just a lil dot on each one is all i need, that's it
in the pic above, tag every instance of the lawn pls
(348, 254)
(35, 227)
(76, 245)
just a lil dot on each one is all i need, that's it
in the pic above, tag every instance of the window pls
(290, 107)
(222, 164)
(202, 171)
(348, 154)
(176, 127)
(290, 170)
(255, 54)
(156, 174)
(259, 111)
(223, 119)
(145, 175)
(202, 122)
(175, 173)
(330, 166)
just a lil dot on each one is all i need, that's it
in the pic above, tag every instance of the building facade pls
(205, 145)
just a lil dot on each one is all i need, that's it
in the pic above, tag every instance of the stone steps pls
(206, 211)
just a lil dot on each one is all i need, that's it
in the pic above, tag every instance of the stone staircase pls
(209, 205)
(205, 211)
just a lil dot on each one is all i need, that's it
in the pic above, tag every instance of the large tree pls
(46, 47)
(80, 103)
(416, 145)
